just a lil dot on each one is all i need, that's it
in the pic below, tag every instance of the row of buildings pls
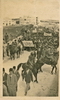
(20, 21)
(26, 20)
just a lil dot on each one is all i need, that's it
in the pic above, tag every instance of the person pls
(15, 43)
(34, 42)
(21, 44)
(38, 53)
(28, 78)
(14, 69)
(11, 83)
(6, 38)
(48, 52)
(18, 49)
(16, 72)
(19, 40)
(12, 51)
(7, 49)
(31, 60)
(38, 43)
(5, 92)
(5, 77)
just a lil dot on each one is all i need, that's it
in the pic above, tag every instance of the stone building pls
(8, 22)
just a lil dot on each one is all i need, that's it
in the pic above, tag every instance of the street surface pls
(47, 83)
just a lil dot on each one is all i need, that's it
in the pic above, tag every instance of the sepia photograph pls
(30, 48)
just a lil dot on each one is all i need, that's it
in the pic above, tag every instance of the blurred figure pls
(38, 53)
(16, 72)
(12, 51)
(34, 42)
(11, 83)
(7, 49)
(15, 43)
(19, 40)
(31, 60)
(6, 38)
(18, 49)
(14, 69)
(5, 77)
(5, 92)
(21, 44)
(28, 79)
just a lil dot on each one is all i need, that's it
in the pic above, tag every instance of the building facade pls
(8, 22)
(25, 20)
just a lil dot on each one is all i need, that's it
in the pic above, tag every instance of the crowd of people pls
(13, 49)
(44, 47)
(10, 81)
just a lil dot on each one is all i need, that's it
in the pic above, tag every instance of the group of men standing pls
(13, 49)
(10, 81)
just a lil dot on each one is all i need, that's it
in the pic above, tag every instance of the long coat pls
(31, 61)
(17, 75)
(5, 92)
(28, 76)
(5, 79)
(11, 84)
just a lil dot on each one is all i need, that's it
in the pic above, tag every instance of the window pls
(17, 22)
(6, 24)
(24, 19)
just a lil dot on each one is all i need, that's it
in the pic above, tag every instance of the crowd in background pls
(28, 33)
(13, 49)
(43, 45)
(10, 81)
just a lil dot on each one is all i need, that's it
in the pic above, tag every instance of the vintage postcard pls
(30, 49)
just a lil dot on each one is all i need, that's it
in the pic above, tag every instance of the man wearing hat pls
(31, 60)
(39, 52)
(16, 72)
(11, 83)
(28, 78)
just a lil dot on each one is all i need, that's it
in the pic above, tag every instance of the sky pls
(44, 9)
